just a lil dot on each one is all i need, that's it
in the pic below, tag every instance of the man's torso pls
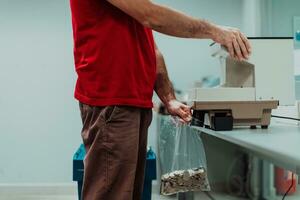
(114, 56)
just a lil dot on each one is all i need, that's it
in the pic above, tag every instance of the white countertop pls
(279, 144)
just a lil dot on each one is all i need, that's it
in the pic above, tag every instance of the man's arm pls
(171, 22)
(165, 91)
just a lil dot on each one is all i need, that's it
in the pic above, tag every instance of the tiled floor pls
(155, 196)
(201, 196)
(198, 196)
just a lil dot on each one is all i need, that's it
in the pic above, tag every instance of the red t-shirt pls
(114, 56)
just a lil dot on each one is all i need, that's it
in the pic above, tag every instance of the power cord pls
(286, 193)
(282, 117)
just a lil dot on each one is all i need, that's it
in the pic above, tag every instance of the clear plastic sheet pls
(182, 157)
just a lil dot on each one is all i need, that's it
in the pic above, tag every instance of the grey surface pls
(280, 144)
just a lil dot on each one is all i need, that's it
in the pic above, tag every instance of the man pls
(118, 67)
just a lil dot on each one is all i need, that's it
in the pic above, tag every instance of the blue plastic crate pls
(150, 173)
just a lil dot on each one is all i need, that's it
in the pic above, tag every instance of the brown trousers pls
(115, 138)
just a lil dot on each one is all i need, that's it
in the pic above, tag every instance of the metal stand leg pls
(255, 186)
(268, 189)
(186, 196)
(262, 180)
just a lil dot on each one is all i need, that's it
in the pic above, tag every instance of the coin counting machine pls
(248, 90)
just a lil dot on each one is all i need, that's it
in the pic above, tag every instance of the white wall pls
(39, 119)
(277, 17)
(283, 13)
(297, 61)
(251, 12)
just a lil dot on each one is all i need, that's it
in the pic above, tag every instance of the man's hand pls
(236, 42)
(180, 110)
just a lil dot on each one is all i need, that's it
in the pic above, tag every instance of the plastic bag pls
(182, 158)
